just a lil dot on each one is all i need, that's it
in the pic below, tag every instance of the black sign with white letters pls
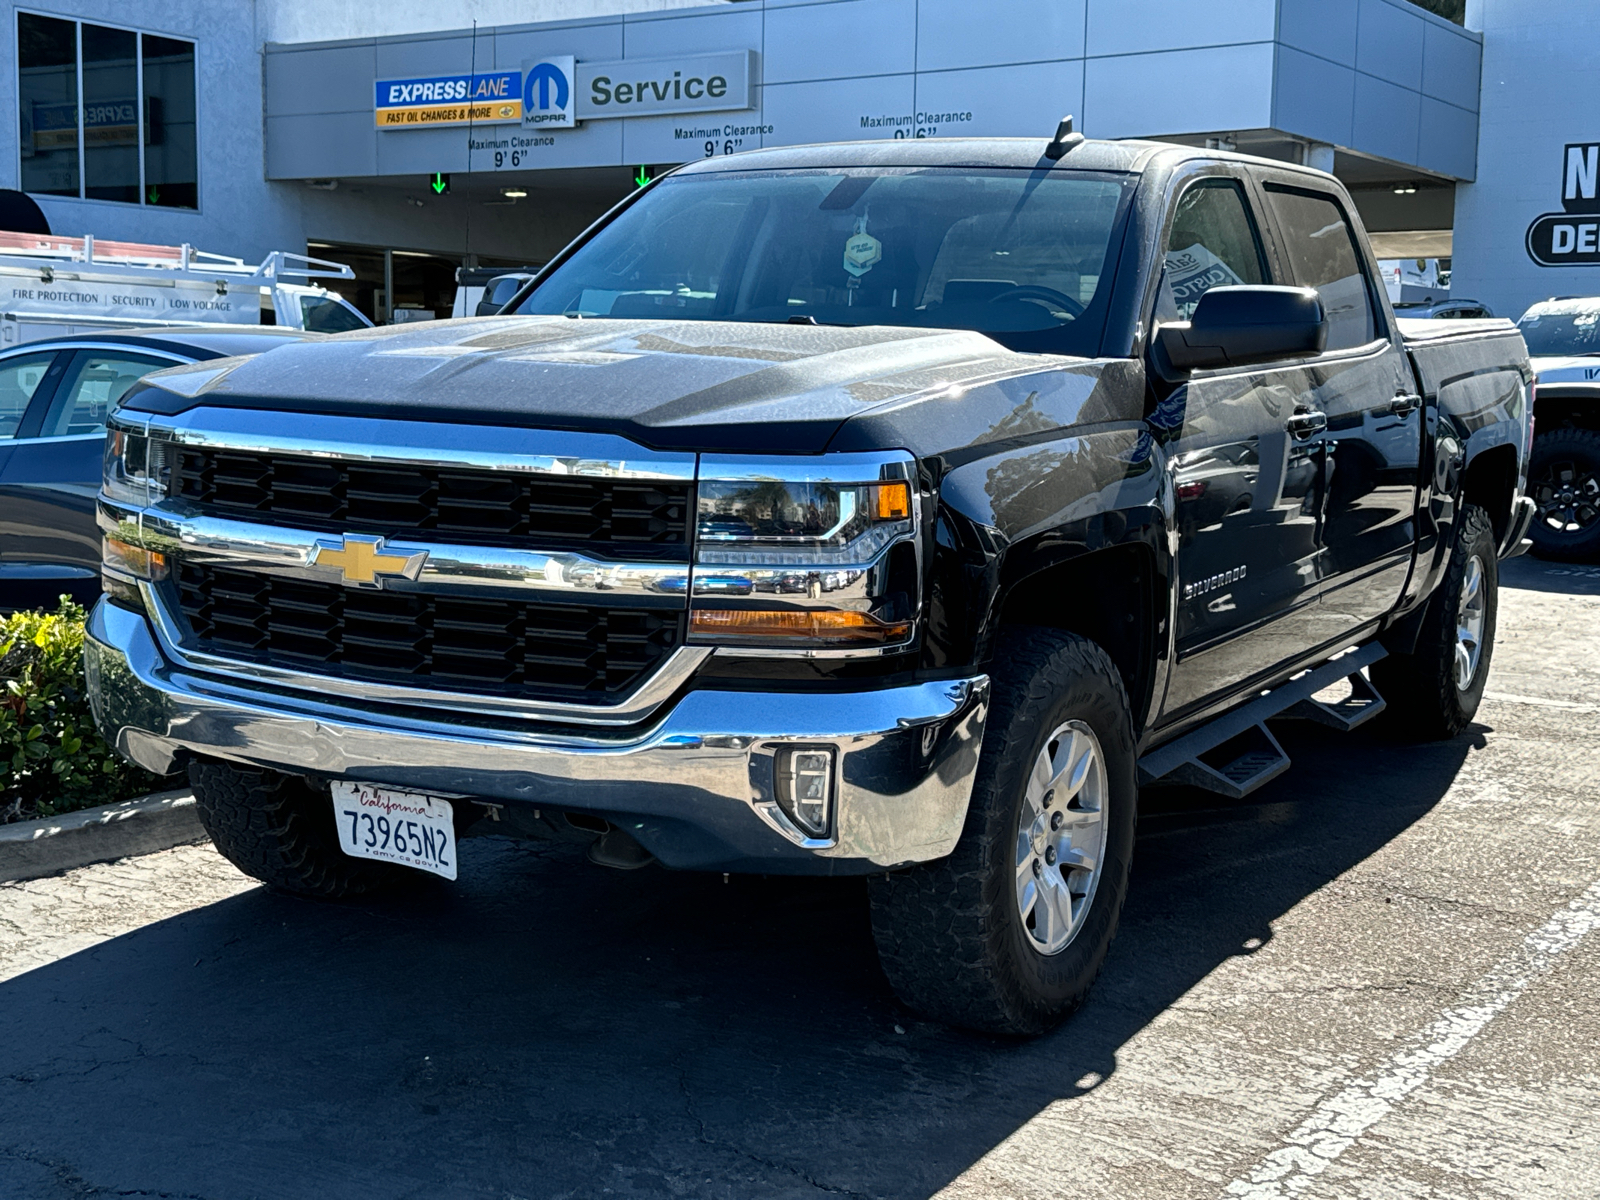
(1571, 238)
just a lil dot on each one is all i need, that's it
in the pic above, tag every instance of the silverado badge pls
(361, 560)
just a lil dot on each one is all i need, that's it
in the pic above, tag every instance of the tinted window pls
(171, 167)
(1323, 254)
(1213, 243)
(138, 94)
(47, 109)
(1020, 258)
(324, 314)
(20, 377)
(111, 114)
(502, 289)
(93, 387)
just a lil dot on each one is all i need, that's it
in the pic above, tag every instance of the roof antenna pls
(1064, 140)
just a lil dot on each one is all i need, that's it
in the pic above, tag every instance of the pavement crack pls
(68, 1182)
(728, 1148)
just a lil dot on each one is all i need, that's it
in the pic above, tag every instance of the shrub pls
(52, 759)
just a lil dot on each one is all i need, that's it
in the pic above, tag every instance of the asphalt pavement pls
(1373, 979)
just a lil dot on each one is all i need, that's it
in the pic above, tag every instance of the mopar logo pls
(545, 77)
(548, 93)
(1571, 238)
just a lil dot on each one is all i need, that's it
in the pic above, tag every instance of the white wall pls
(325, 20)
(1539, 93)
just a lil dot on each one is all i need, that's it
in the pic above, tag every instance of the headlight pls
(135, 468)
(806, 554)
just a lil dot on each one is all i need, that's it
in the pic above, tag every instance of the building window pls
(106, 114)
(1450, 10)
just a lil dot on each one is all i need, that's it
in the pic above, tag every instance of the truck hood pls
(1566, 370)
(703, 385)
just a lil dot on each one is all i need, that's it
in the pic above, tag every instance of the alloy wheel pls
(1469, 624)
(1567, 497)
(1061, 837)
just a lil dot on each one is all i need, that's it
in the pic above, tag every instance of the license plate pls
(408, 828)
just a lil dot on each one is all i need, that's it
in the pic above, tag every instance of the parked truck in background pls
(895, 509)
(1563, 335)
(53, 287)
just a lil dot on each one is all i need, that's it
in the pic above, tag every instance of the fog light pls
(804, 787)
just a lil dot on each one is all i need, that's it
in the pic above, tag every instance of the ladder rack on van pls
(138, 261)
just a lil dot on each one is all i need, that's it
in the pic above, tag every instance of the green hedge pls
(52, 759)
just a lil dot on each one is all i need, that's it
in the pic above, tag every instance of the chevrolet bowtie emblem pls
(361, 560)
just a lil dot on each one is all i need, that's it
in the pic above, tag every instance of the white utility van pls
(53, 286)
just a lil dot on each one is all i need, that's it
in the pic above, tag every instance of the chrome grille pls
(447, 503)
(505, 647)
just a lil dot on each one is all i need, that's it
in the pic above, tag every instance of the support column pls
(1319, 155)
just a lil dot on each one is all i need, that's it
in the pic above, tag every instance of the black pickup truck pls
(897, 509)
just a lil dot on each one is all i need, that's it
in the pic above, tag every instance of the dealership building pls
(409, 140)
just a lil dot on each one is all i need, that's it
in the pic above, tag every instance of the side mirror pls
(1238, 326)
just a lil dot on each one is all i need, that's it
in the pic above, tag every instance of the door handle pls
(1404, 403)
(1307, 424)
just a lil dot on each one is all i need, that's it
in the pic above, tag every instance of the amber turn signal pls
(818, 625)
(133, 560)
(894, 501)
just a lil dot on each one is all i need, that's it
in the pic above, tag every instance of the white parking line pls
(1335, 1124)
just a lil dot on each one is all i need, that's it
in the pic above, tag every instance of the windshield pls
(1022, 258)
(1566, 328)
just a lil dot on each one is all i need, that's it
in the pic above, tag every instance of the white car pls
(1563, 337)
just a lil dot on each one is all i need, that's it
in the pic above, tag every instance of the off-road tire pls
(949, 933)
(279, 829)
(1582, 448)
(1423, 701)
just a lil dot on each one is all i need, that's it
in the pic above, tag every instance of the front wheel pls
(279, 829)
(1434, 692)
(1008, 933)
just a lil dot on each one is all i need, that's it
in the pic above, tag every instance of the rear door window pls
(94, 386)
(1213, 243)
(20, 377)
(1323, 254)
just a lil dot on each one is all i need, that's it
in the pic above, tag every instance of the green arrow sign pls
(439, 183)
(642, 178)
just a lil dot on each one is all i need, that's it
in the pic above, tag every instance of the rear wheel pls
(1008, 933)
(279, 829)
(1434, 692)
(1564, 481)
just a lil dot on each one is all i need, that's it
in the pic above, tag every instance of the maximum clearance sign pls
(558, 92)
(1571, 238)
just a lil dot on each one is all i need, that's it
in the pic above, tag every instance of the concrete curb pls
(31, 849)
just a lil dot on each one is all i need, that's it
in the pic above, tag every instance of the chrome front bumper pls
(695, 786)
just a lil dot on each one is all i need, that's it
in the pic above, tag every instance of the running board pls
(1235, 754)
(1355, 710)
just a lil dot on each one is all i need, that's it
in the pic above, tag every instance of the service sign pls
(702, 83)
(440, 100)
(1571, 238)
(557, 92)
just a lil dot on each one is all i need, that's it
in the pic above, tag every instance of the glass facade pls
(106, 114)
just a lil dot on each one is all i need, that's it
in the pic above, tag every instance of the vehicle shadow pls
(548, 1028)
